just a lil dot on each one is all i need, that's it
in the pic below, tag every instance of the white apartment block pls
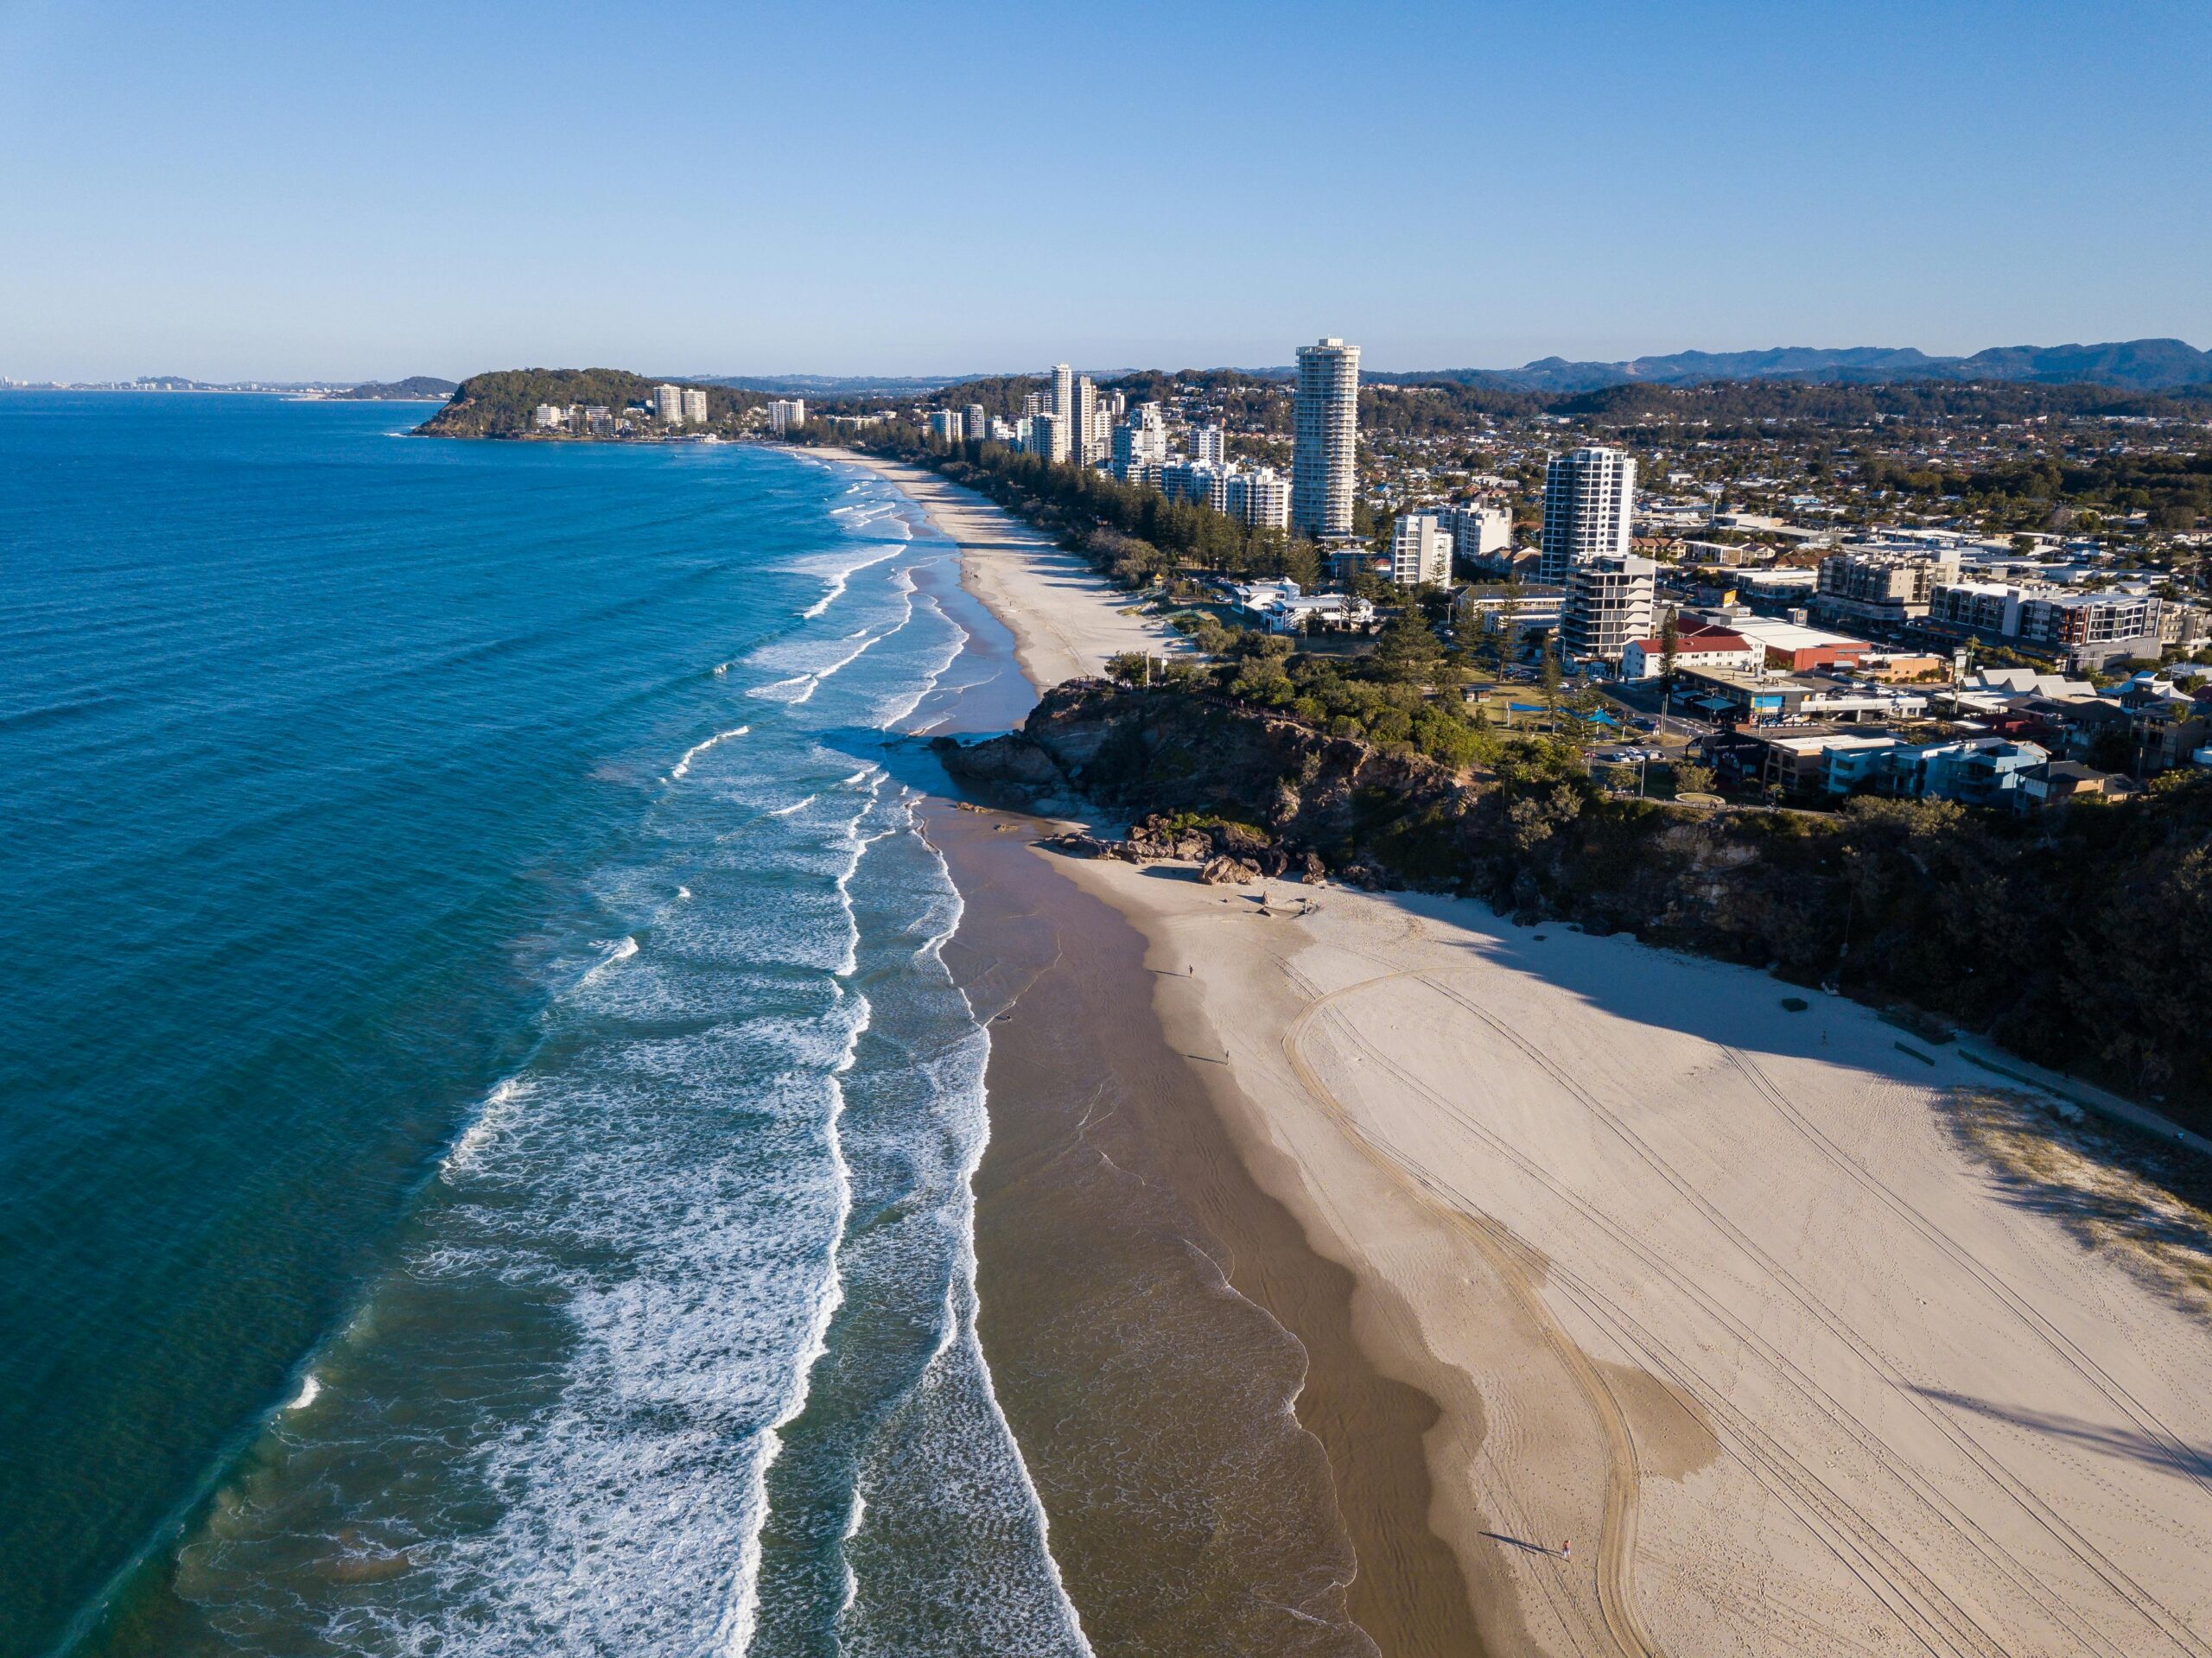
(1589, 500)
(978, 423)
(1479, 530)
(1420, 552)
(1260, 498)
(1140, 444)
(1048, 437)
(1087, 436)
(946, 425)
(668, 404)
(1062, 403)
(787, 414)
(1325, 463)
(548, 418)
(695, 405)
(1209, 447)
(1609, 602)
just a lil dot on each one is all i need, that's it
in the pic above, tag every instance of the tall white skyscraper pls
(1064, 395)
(945, 425)
(668, 404)
(1589, 502)
(695, 405)
(978, 423)
(1209, 446)
(787, 414)
(1087, 438)
(1324, 456)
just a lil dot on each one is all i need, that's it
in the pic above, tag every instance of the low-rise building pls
(1879, 583)
(1696, 647)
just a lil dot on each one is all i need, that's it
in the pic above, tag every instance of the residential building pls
(1260, 498)
(1479, 530)
(946, 425)
(1087, 435)
(978, 425)
(668, 404)
(1048, 436)
(1063, 403)
(1209, 447)
(1034, 403)
(2064, 780)
(1420, 551)
(1589, 505)
(1325, 454)
(2083, 630)
(2087, 630)
(1881, 584)
(596, 421)
(1498, 605)
(1609, 602)
(695, 405)
(787, 414)
(547, 419)
(1140, 445)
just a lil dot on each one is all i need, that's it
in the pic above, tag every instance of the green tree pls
(1408, 652)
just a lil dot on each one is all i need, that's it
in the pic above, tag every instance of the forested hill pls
(500, 404)
(414, 388)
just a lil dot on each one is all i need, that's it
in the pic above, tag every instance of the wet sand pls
(1222, 1469)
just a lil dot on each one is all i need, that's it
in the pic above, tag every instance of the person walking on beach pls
(1566, 1549)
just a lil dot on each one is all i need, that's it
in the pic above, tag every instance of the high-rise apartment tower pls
(1324, 457)
(1589, 500)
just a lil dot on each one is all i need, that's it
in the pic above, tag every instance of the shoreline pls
(1722, 1283)
(1065, 617)
(1252, 1353)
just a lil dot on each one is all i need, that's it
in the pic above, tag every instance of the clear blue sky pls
(229, 189)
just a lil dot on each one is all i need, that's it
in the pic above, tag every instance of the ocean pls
(485, 1126)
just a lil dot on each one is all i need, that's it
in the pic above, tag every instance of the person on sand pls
(1566, 1549)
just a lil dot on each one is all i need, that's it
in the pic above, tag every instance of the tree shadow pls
(2188, 1461)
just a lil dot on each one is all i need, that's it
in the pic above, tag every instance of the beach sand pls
(1732, 1296)
(1065, 621)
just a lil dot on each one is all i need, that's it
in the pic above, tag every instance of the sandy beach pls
(1724, 1325)
(1065, 620)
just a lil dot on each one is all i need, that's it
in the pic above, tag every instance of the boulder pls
(1229, 871)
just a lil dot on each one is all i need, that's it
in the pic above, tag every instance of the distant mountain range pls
(2131, 365)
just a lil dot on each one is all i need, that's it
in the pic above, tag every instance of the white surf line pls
(934, 948)
(734, 1636)
(693, 752)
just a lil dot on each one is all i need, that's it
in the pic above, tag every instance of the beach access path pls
(1730, 1294)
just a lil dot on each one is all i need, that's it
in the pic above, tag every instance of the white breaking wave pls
(693, 752)
(499, 1105)
(796, 806)
(310, 1390)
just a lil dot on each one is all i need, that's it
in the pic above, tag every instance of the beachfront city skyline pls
(942, 832)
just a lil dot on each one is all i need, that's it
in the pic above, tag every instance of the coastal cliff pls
(2071, 938)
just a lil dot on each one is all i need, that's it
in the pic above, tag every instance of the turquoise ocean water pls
(484, 1128)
